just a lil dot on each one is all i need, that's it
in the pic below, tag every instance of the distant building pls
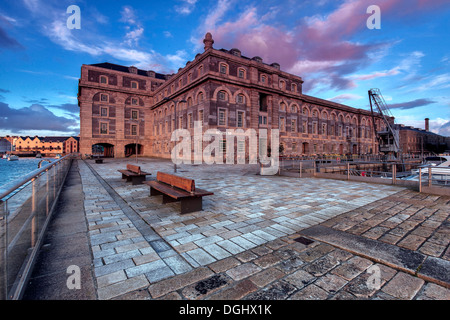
(5, 146)
(415, 140)
(47, 145)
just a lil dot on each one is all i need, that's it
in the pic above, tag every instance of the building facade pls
(124, 109)
(45, 145)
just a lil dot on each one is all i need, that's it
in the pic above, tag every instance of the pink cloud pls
(316, 46)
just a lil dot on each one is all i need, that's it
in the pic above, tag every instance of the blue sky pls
(326, 42)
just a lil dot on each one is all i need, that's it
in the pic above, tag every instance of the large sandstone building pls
(122, 108)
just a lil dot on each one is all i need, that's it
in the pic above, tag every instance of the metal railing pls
(430, 180)
(26, 207)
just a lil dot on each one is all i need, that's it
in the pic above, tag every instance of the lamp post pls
(175, 117)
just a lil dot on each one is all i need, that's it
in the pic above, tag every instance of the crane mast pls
(388, 136)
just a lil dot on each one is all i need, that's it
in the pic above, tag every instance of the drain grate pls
(304, 240)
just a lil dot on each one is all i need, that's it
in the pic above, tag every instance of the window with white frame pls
(240, 119)
(222, 117)
(200, 117)
(134, 85)
(293, 125)
(133, 130)
(104, 79)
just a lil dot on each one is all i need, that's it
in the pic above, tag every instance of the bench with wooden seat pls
(134, 174)
(174, 188)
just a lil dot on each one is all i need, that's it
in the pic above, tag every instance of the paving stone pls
(177, 264)
(235, 292)
(201, 256)
(267, 261)
(321, 265)
(300, 279)
(352, 268)
(144, 268)
(205, 287)
(159, 274)
(330, 283)
(120, 288)
(175, 283)
(311, 292)
(433, 291)
(277, 291)
(243, 271)
(224, 264)
(403, 286)
(263, 278)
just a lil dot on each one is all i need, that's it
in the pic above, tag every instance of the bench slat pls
(133, 168)
(176, 181)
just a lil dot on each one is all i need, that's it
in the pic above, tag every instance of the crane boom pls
(389, 141)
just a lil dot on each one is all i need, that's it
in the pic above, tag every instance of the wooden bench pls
(134, 174)
(174, 188)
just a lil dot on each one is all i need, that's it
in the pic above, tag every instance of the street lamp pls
(175, 117)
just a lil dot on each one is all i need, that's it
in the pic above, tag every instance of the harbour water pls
(12, 170)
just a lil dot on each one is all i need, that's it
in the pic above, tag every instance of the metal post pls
(33, 211)
(348, 171)
(3, 246)
(394, 173)
(420, 179)
(301, 168)
(429, 176)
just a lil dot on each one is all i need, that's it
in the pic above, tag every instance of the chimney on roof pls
(427, 124)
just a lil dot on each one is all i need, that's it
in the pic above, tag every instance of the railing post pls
(3, 246)
(429, 176)
(348, 171)
(301, 168)
(394, 174)
(33, 211)
(420, 179)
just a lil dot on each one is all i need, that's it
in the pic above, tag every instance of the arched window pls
(240, 98)
(222, 95)
(104, 79)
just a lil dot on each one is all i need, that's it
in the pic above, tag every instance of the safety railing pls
(435, 180)
(26, 206)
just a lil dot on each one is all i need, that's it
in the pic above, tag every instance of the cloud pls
(315, 47)
(411, 104)
(128, 15)
(376, 74)
(36, 117)
(444, 130)
(7, 42)
(344, 97)
(186, 7)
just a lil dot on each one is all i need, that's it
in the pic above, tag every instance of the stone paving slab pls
(391, 255)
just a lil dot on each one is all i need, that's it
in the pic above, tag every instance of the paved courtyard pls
(258, 238)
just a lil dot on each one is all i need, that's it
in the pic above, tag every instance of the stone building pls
(125, 109)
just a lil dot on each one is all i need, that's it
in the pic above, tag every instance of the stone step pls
(431, 269)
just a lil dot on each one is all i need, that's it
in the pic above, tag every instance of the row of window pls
(104, 80)
(104, 112)
(349, 131)
(104, 128)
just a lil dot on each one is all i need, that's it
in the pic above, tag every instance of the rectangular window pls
(104, 97)
(104, 112)
(134, 114)
(200, 117)
(305, 126)
(223, 68)
(282, 124)
(180, 122)
(222, 117)
(134, 101)
(241, 73)
(262, 120)
(134, 130)
(324, 129)
(103, 128)
(223, 145)
(134, 84)
(103, 79)
(293, 125)
(190, 121)
(240, 119)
